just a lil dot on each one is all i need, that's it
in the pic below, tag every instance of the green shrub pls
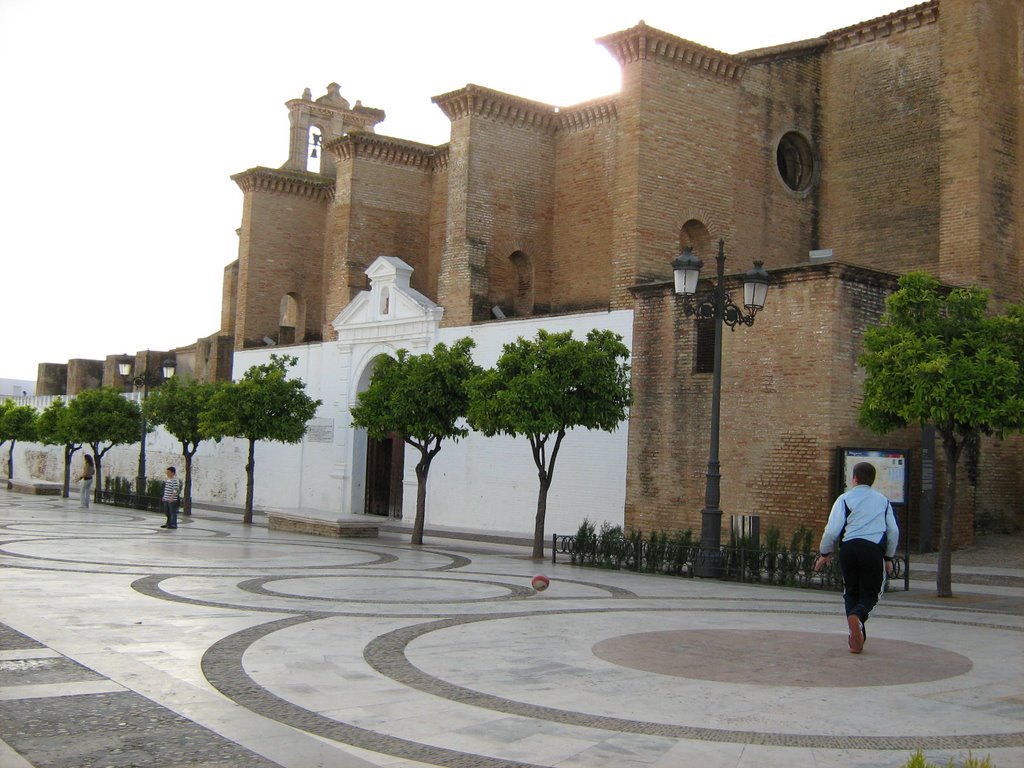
(584, 551)
(680, 545)
(609, 546)
(918, 760)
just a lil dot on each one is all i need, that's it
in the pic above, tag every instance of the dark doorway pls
(385, 465)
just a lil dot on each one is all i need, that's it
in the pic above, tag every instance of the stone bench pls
(339, 529)
(34, 487)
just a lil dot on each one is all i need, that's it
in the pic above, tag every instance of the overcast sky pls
(121, 122)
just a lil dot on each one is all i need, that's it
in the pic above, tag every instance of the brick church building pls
(841, 162)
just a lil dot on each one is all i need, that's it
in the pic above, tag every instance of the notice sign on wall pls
(891, 472)
(320, 431)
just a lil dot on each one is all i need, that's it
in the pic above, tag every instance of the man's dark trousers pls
(863, 568)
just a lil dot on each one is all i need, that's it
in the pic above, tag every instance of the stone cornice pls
(477, 101)
(388, 150)
(364, 117)
(295, 183)
(582, 117)
(795, 273)
(884, 26)
(784, 51)
(644, 43)
(441, 158)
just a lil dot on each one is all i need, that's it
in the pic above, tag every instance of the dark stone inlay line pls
(150, 586)
(222, 666)
(13, 640)
(256, 587)
(212, 570)
(386, 654)
(52, 669)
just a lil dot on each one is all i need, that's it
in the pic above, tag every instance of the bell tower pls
(314, 123)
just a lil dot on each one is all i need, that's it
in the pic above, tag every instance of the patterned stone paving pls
(358, 654)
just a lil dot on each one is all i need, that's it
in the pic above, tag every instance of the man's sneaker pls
(856, 633)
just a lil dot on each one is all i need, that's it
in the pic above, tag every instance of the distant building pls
(16, 388)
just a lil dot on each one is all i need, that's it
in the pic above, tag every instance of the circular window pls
(795, 159)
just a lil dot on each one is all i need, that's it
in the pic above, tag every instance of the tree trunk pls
(249, 471)
(98, 474)
(69, 455)
(542, 511)
(544, 473)
(944, 574)
(422, 469)
(10, 461)
(187, 504)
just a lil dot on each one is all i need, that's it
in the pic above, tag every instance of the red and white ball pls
(540, 582)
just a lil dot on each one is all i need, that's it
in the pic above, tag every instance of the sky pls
(122, 121)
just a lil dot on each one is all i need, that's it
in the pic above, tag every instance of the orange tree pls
(17, 422)
(53, 428)
(264, 405)
(103, 418)
(423, 398)
(178, 406)
(541, 388)
(939, 356)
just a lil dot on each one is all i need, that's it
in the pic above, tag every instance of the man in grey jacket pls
(863, 523)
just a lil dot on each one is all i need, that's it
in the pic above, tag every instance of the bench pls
(34, 487)
(339, 529)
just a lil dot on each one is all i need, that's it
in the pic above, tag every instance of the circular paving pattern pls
(778, 657)
(382, 630)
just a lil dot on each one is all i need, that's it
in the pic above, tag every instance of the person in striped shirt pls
(172, 489)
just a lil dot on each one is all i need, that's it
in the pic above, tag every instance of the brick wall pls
(585, 177)
(981, 133)
(881, 108)
(280, 253)
(791, 389)
(500, 202)
(383, 200)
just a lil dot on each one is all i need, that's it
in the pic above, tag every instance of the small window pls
(795, 159)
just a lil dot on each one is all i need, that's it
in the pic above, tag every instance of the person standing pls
(169, 501)
(863, 525)
(88, 470)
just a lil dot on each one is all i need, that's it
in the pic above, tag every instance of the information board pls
(891, 473)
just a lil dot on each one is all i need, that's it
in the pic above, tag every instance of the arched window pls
(316, 138)
(696, 236)
(289, 319)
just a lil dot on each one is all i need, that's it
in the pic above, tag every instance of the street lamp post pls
(719, 307)
(144, 381)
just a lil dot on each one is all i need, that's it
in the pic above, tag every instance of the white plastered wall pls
(478, 483)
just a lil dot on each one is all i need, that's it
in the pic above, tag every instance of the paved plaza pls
(221, 644)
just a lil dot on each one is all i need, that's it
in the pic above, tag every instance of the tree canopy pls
(17, 422)
(103, 415)
(264, 405)
(178, 405)
(543, 387)
(54, 428)
(424, 398)
(940, 356)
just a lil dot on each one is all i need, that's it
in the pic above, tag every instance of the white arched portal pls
(359, 440)
(378, 322)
